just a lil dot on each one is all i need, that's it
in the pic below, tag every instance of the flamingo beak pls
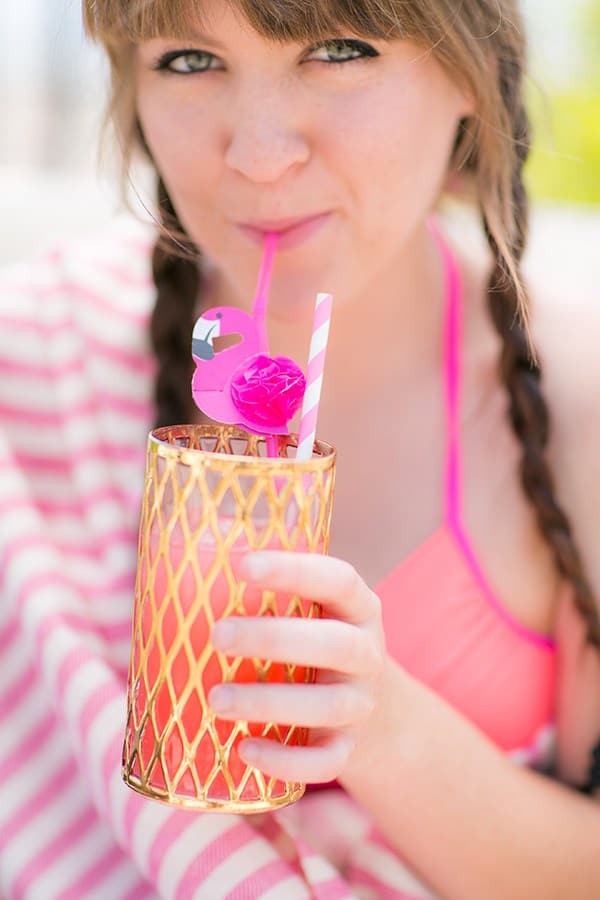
(202, 349)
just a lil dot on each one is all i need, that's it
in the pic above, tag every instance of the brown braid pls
(177, 280)
(521, 374)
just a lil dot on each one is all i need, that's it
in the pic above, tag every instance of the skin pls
(252, 138)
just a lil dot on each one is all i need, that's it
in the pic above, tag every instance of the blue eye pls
(336, 51)
(342, 50)
(186, 62)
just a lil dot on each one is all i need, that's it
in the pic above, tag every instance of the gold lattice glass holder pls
(211, 494)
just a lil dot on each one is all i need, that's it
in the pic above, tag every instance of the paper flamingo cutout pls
(242, 385)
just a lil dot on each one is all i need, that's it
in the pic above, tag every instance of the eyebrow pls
(199, 36)
(194, 35)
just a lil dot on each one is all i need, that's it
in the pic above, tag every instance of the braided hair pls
(521, 373)
(176, 273)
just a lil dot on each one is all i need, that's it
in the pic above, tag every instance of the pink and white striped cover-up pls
(76, 377)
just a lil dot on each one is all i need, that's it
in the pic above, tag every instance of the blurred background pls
(53, 91)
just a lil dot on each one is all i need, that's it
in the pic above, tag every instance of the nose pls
(266, 140)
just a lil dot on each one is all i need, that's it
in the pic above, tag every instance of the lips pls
(280, 225)
(291, 231)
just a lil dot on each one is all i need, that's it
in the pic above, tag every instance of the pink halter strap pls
(453, 481)
(452, 377)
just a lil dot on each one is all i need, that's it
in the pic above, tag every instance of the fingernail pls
(223, 634)
(255, 566)
(221, 698)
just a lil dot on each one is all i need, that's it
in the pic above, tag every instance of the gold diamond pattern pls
(212, 493)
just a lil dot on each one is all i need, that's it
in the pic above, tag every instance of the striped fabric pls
(75, 408)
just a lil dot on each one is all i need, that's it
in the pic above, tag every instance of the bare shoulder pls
(566, 330)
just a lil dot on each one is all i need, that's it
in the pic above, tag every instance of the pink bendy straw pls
(314, 377)
(259, 309)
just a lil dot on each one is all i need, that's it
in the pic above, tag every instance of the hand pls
(347, 648)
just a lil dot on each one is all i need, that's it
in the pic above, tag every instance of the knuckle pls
(372, 656)
(342, 709)
(365, 705)
(248, 702)
(333, 763)
(350, 580)
(358, 653)
(342, 750)
(369, 705)
(267, 634)
(296, 567)
(331, 771)
(374, 606)
(349, 705)
(260, 704)
(349, 647)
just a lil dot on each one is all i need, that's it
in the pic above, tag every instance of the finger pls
(308, 705)
(319, 643)
(331, 582)
(314, 764)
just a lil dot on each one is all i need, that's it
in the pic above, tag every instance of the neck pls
(389, 330)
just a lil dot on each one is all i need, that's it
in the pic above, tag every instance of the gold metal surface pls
(210, 495)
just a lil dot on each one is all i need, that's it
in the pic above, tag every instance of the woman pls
(462, 628)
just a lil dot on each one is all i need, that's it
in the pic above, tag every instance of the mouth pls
(290, 232)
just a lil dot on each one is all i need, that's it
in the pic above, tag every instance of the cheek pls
(398, 148)
(182, 146)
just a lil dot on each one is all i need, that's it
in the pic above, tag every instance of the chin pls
(298, 308)
(298, 290)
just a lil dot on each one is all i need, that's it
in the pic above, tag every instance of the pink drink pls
(225, 595)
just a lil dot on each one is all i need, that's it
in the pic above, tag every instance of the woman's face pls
(351, 138)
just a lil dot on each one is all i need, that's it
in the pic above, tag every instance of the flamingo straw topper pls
(243, 385)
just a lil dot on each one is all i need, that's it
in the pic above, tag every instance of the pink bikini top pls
(443, 621)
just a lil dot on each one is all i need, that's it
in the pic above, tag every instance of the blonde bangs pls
(122, 22)
(116, 23)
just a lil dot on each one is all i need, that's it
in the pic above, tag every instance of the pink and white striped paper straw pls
(314, 377)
